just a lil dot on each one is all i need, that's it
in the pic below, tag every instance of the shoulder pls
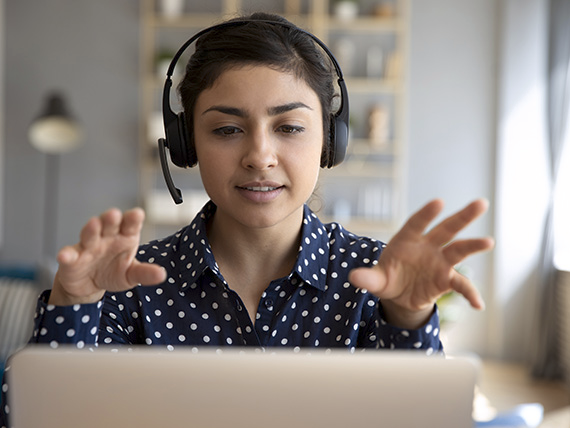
(189, 240)
(356, 250)
(163, 247)
(343, 245)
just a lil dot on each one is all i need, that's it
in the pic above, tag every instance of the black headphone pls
(178, 141)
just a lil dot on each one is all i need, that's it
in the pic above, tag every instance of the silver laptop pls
(208, 388)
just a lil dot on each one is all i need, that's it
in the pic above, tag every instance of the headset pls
(179, 142)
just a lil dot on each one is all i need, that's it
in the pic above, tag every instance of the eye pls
(290, 129)
(226, 131)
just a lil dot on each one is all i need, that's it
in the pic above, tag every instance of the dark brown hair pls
(283, 47)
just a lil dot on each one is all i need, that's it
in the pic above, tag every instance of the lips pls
(260, 191)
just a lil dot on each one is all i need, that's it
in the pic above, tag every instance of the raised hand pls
(103, 259)
(417, 267)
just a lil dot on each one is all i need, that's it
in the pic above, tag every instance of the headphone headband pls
(181, 149)
(240, 22)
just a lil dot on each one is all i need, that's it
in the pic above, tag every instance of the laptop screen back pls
(149, 387)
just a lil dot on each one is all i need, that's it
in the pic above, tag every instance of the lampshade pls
(54, 130)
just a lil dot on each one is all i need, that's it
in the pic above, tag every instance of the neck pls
(250, 258)
(269, 250)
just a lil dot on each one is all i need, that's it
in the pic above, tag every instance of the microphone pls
(174, 191)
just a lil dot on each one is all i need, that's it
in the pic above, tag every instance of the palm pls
(104, 257)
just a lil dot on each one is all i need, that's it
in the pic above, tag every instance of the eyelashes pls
(230, 131)
(291, 129)
(226, 131)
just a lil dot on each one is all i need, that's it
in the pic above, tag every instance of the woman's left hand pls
(417, 267)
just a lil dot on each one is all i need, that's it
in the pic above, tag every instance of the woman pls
(258, 130)
(256, 267)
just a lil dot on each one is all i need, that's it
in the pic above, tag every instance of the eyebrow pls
(272, 111)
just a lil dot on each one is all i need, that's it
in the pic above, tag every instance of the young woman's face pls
(258, 134)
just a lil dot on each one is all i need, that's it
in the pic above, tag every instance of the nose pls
(260, 151)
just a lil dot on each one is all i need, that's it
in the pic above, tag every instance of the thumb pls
(146, 274)
(371, 279)
(67, 255)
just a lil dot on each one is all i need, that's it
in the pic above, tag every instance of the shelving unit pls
(366, 192)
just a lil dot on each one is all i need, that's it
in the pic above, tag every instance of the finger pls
(91, 233)
(448, 228)
(145, 274)
(132, 222)
(459, 250)
(111, 222)
(466, 288)
(67, 255)
(370, 279)
(420, 220)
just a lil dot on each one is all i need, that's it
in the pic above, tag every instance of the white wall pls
(453, 77)
(523, 181)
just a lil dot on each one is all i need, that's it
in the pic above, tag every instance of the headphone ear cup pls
(340, 143)
(181, 152)
(188, 141)
(337, 142)
(175, 141)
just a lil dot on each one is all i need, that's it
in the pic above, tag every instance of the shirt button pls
(269, 304)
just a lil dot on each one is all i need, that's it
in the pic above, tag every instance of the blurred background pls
(471, 112)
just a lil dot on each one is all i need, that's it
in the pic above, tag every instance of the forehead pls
(242, 82)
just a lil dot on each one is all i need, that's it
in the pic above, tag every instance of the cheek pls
(211, 182)
(308, 164)
(211, 167)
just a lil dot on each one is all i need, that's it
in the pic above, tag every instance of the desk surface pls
(503, 386)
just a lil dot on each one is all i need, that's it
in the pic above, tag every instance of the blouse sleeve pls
(425, 338)
(77, 324)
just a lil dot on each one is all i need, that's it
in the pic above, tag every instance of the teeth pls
(261, 189)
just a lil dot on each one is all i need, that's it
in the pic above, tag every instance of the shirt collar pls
(194, 243)
(312, 259)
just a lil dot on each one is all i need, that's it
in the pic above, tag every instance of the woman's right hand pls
(103, 260)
